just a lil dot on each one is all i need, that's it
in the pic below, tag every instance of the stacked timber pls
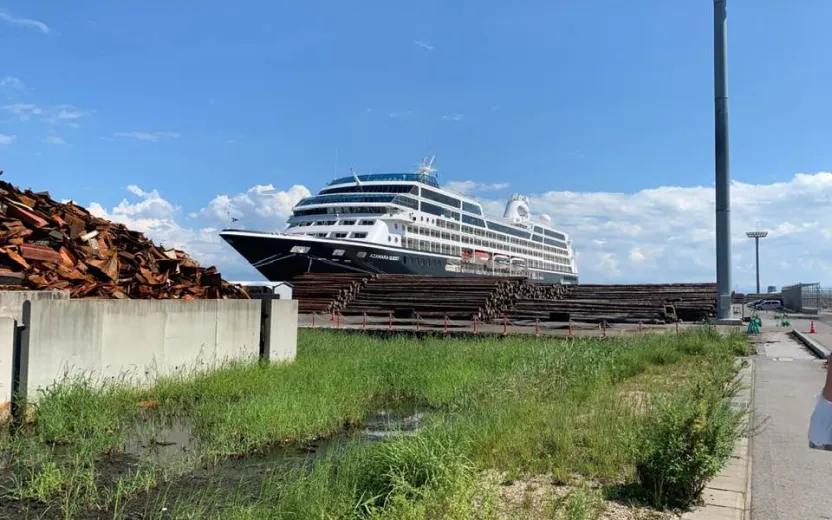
(327, 292)
(592, 311)
(409, 296)
(632, 303)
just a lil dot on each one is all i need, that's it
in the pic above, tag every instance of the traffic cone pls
(812, 327)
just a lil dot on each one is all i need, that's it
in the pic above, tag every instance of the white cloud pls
(469, 187)
(400, 114)
(147, 136)
(663, 234)
(424, 45)
(54, 115)
(7, 139)
(637, 254)
(11, 83)
(261, 207)
(54, 139)
(453, 117)
(24, 22)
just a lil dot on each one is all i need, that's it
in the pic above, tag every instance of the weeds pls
(518, 405)
(686, 439)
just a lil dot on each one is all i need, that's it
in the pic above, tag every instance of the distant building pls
(772, 288)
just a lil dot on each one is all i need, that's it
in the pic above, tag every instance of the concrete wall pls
(11, 302)
(282, 331)
(139, 339)
(7, 329)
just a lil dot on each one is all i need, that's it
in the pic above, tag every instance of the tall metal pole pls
(757, 235)
(723, 196)
(757, 256)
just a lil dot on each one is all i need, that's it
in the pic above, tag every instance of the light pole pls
(757, 235)
(723, 176)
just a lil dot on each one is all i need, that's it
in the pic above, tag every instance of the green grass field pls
(496, 410)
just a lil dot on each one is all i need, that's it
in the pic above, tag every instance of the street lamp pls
(757, 235)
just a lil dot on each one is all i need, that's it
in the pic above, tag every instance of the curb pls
(816, 348)
(748, 432)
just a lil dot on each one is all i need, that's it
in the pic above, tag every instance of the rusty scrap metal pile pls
(45, 244)
(492, 298)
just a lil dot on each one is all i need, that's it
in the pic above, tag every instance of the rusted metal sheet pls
(41, 253)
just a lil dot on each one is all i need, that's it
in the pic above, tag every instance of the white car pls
(768, 305)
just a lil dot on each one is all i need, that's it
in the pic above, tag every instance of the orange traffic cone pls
(812, 327)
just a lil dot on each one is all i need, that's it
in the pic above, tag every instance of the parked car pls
(768, 305)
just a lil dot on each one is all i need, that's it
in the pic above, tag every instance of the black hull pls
(272, 256)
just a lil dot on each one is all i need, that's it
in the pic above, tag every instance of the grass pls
(521, 406)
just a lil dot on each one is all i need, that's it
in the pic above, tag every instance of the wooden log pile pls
(691, 301)
(45, 244)
(649, 303)
(327, 292)
(409, 296)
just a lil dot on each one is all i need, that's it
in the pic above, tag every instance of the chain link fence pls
(807, 298)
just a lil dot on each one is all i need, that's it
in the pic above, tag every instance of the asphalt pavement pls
(790, 481)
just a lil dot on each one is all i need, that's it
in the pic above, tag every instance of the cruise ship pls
(406, 223)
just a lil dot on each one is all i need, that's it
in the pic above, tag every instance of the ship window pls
(367, 222)
(406, 177)
(471, 208)
(361, 254)
(359, 235)
(299, 249)
(329, 199)
(340, 235)
(508, 230)
(383, 188)
(348, 222)
(438, 197)
(338, 252)
(438, 210)
(331, 210)
(395, 226)
(555, 242)
(473, 221)
(554, 234)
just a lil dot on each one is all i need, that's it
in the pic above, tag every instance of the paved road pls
(789, 480)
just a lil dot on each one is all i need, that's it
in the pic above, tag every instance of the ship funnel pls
(517, 209)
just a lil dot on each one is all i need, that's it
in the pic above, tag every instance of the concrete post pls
(279, 330)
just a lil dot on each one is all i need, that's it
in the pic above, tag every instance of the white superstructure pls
(403, 212)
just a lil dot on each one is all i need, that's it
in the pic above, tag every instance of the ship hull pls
(282, 257)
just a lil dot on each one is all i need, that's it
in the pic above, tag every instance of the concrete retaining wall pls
(11, 302)
(139, 339)
(7, 330)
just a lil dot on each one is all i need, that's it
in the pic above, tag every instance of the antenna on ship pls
(426, 166)
(357, 180)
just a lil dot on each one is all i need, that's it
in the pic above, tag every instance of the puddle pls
(171, 441)
(383, 424)
(164, 442)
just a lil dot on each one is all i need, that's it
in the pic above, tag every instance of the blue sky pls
(197, 100)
